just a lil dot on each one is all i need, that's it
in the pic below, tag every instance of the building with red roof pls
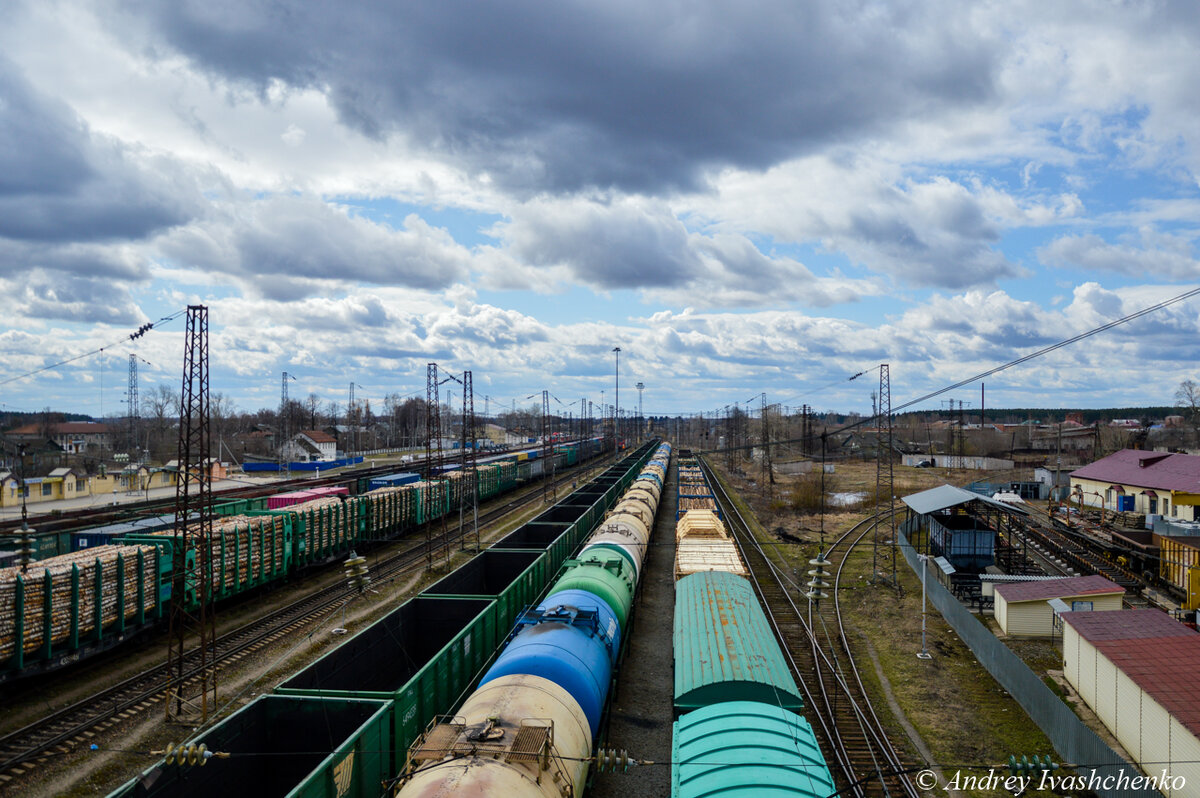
(1137, 670)
(1023, 608)
(1155, 483)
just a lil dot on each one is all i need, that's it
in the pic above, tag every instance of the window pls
(166, 478)
(1077, 606)
(80, 484)
(47, 489)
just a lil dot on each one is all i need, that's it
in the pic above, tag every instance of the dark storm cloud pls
(559, 96)
(61, 183)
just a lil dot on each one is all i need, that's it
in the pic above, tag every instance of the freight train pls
(89, 591)
(371, 710)
(737, 730)
(528, 729)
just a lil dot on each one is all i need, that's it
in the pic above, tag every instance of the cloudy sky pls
(746, 197)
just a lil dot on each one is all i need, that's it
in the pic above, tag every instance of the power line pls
(145, 328)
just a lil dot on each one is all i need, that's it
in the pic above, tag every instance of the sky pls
(748, 198)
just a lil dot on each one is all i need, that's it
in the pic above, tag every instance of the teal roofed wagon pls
(748, 749)
(724, 647)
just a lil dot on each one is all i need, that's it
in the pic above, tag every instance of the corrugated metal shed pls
(724, 647)
(944, 497)
(710, 749)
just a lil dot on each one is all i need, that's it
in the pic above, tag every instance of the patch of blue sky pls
(467, 227)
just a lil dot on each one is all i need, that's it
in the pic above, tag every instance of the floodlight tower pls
(641, 386)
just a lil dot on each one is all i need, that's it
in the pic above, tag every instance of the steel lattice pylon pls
(545, 445)
(433, 446)
(884, 482)
(470, 439)
(132, 400)
(190, 691)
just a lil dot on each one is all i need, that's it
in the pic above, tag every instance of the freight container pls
(45, 544)
(434, 649)
(300, 747)
(513, 578)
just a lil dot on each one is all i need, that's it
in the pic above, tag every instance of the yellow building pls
(1136, 669)
(1154, 483)
(1023, 608)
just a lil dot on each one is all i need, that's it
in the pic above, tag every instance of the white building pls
(1136, 669)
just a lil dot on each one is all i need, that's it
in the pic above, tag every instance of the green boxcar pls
(514, 579)
(747, 748)
(724, 647)
(45, 544)
(423, 657)
(295, 746)
(584, 516)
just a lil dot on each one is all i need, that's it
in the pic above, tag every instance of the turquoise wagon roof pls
(749, 749)
(724, 647)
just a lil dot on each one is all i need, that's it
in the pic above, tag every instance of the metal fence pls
(1072, 739)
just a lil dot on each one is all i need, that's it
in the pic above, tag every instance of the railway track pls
(813, 639)
(83, 721)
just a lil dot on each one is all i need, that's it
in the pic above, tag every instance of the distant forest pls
(1015, 415)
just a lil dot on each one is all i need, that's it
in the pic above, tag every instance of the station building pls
(1154, 483)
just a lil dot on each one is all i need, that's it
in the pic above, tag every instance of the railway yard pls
(438, 674)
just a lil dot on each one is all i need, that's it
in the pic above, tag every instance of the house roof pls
(1042, 590)
(1146, 470)
(945, 496)
(318, 436)
(1156, 652)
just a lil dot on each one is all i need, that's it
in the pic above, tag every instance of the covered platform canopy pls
(962, 524)
(944, 497)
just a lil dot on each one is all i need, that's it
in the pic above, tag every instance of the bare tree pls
(1187, 397)
(313, 403)
(161, 407)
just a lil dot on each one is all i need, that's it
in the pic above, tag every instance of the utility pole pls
(884, 482)
(131, 398)
(282, 426)
(545, 445)
(433, 445)
(617, 397)
(641, 420)
(193, 525)
(469, 463)
(769, 473)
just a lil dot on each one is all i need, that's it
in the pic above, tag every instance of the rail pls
(853, 738)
